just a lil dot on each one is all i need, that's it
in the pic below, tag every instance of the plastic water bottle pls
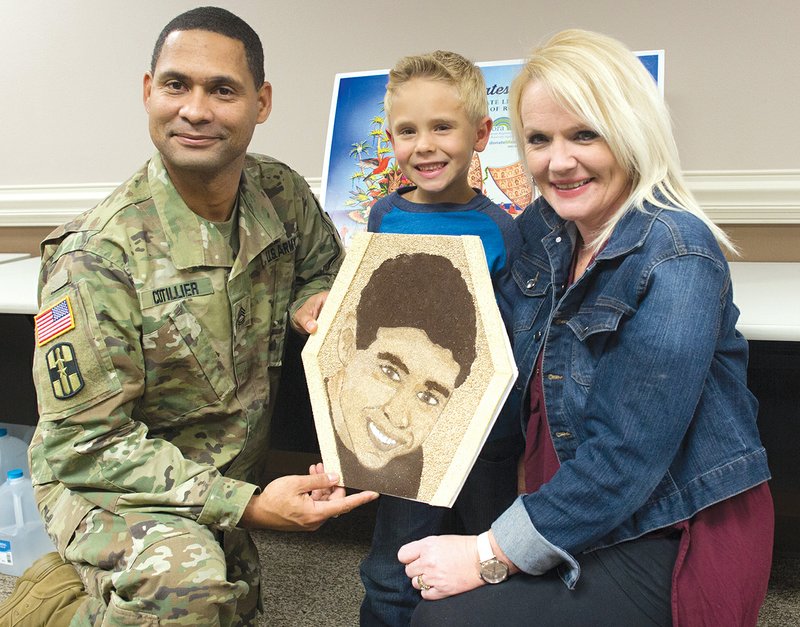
(13, 454)
(22, 536)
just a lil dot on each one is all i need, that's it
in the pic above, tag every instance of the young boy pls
(437, 117)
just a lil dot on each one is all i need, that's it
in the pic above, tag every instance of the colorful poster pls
(359, 165)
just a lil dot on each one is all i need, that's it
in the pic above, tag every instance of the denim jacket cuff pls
(528, 549)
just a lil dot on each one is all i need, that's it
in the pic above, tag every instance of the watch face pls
(494, 571)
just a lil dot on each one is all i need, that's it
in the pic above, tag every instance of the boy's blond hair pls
(448, 67)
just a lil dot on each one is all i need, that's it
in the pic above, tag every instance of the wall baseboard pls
(729, 197)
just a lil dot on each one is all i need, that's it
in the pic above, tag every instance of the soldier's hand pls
(324, 494)
(304, 319)
(287, 503)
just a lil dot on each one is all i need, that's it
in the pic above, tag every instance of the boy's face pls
(433, 140)
(393, 392)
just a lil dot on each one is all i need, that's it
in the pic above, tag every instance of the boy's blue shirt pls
(479, 216)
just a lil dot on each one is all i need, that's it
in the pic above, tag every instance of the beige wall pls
(72, 71)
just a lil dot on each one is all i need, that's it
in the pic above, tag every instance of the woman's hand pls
(448, 564)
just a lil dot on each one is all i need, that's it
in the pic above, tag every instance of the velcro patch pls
(65, 376)
(54, 321)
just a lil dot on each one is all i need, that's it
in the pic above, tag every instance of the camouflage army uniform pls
(154, 407)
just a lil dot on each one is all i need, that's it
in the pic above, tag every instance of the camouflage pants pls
(144, 568)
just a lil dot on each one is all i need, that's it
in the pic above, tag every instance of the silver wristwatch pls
(492, 569)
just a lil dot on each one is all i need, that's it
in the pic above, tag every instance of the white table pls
(18, 283)
(6, 257)
(768, 296)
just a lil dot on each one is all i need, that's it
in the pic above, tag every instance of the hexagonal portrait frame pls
(410, 365)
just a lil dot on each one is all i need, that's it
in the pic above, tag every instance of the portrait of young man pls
(403, 351)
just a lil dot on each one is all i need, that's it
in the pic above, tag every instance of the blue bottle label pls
(6, 558)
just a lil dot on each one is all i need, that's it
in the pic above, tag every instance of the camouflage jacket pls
(156, 350)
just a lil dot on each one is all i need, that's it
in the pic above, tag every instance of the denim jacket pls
(644, 380)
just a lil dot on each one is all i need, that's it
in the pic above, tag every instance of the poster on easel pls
(359, 166)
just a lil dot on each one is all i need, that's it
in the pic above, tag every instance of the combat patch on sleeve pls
(54, 321)
(72, 376)
(65, 375)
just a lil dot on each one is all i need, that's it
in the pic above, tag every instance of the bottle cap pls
(15, 473)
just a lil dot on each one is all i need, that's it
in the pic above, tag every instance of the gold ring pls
(422, 584)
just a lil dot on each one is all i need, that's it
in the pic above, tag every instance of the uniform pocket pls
(183, 372)
(117, 615)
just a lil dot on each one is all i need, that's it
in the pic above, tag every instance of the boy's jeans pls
(489, 489)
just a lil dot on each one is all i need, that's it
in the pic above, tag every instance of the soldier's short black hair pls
(216, 20)
(400, 294)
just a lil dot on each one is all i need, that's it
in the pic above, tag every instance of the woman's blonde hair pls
(599, 80)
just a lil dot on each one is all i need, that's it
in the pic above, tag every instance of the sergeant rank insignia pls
(65, 376)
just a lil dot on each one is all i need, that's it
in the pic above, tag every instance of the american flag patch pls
(54, 321)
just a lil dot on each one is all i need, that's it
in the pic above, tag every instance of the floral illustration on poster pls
(360, 167)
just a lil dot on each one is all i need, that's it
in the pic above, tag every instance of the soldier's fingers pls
(306, 316)
(319, 481)
(345, 504)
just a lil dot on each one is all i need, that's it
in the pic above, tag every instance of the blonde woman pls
(645, 499)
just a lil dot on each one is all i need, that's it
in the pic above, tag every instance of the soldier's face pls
(393, 392)
(202, 104)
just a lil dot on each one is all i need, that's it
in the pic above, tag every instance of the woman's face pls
(571, 164)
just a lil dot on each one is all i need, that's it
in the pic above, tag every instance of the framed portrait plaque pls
(410, 365)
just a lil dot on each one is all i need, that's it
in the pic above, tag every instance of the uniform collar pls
(192, 243)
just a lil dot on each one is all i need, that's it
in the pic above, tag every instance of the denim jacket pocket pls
(532, 277)
(592, 326)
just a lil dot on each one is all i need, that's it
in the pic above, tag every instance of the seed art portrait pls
(410, 365)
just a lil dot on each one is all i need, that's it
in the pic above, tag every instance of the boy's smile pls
(434, 139)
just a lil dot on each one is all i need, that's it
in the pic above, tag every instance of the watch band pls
(484, 547)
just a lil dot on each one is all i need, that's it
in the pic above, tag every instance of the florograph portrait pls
(410, 365)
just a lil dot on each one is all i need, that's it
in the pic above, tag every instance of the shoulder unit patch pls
(65, 376)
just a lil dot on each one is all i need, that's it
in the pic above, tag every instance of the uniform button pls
(558, 240)
(530, 284)
(537, 336)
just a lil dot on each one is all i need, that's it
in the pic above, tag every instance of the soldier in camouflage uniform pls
(159, 345)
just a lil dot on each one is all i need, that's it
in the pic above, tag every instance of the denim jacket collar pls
(628, 235)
